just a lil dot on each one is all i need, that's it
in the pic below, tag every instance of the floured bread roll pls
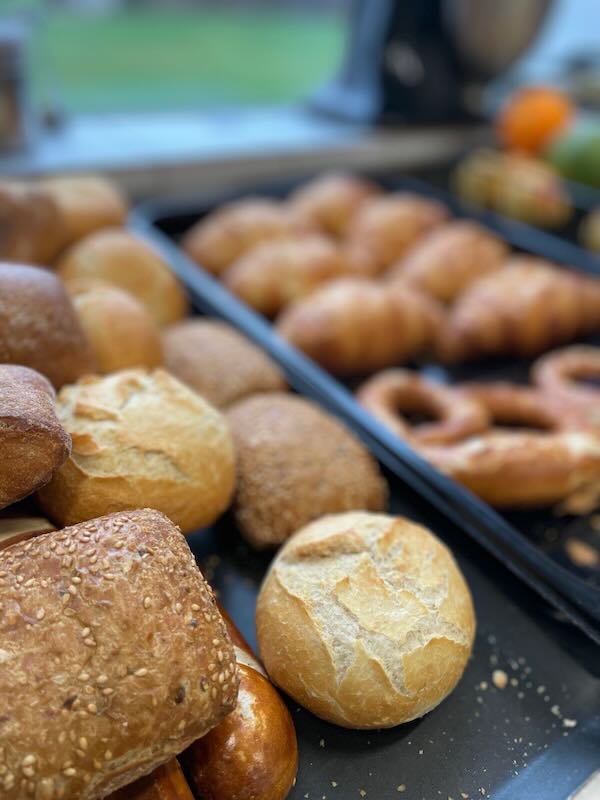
(365, 619)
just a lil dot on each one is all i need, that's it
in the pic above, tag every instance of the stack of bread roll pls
(127, 425)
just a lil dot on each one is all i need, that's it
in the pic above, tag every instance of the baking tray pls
(481, 739)
(574, 593)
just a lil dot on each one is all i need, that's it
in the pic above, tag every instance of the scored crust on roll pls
(219, 363)
(365, 619)
(114, 656)
(295, 462)
(139, 437)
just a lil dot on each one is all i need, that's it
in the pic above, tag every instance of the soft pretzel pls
(523, 309)
(449, 259)
(454, 416)
(353, 325)
(514, 406)
(331, 201)
(387, 227)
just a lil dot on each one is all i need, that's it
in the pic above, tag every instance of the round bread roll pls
(218, 362)
(141, 438)
(39, 327)
(86, 203)
(121, 330)
(295, 463)
(118, 257)
(365, 619)
(31, 229)
(33, 443)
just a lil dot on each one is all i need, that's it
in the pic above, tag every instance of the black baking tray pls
(539, 737)
(536, 558)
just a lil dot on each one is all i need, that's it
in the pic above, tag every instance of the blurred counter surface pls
(178, 152)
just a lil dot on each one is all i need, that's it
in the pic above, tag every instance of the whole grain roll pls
(108, 644)
(33, 443)
(39, 327)
(218, 362)
(141, 437)
(121, 330)
(295, 463)
(86, 203)
(121, 259)
(365, 619)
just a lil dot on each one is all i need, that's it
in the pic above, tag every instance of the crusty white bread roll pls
(118, 257)
(140, 437)
(365, 619)
(295, 462)
(113, 657)
(39, 327)
(33, 443)
(218, 362)
(86, 203)
(122, 332)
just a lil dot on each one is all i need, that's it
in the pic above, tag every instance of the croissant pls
(332, 200)
(274, 273)
(388, 226)
(523, 309)
(449, 259)
(221, 237)
(353, 325)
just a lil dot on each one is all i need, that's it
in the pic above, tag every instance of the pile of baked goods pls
(365, 281)
(125, 425)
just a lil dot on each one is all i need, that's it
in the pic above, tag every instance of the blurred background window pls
(93, 56)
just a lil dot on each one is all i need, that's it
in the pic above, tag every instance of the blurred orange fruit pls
(532, 116)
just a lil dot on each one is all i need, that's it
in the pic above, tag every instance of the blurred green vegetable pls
(576, 154)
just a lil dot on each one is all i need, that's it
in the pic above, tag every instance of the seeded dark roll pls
(113, 657)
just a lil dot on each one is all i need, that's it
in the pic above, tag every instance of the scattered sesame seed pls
(40, 613)
(499, 678)
(147, 602)
(92, 708)
(139, 673)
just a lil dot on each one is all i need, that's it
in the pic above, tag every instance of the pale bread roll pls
(141, 437)
(365, 619)
(113, 657)
(118, 257)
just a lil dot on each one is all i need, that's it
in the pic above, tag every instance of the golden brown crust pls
(273, 274)
(39, 327)
(352, 326)
(523, 309)
(332, 200)
(218, 362)
(509, 404)
(388, 226)
(112, 656)
(121, 330)
(511, 469)
(454, 416)
(295, 463)
(141, 437)
(253, 753)
(446, 261)
(121, 259)
(223, 236)
(167, 782)
(365, 620)
(31, 230)
(86, 203)
(33, 443)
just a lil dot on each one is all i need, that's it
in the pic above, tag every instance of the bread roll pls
(273, 274)
(33, 443)
(31, 229)
(86, 203)
(218, 362)
(388, 226)
(16, 528)
(167, 782)
(365, 619)
(295, 463)
(121, 330)
(39, 327)
(141, 437)
(123, 260)
(331, 201)
(114, 657)
(221, 237)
